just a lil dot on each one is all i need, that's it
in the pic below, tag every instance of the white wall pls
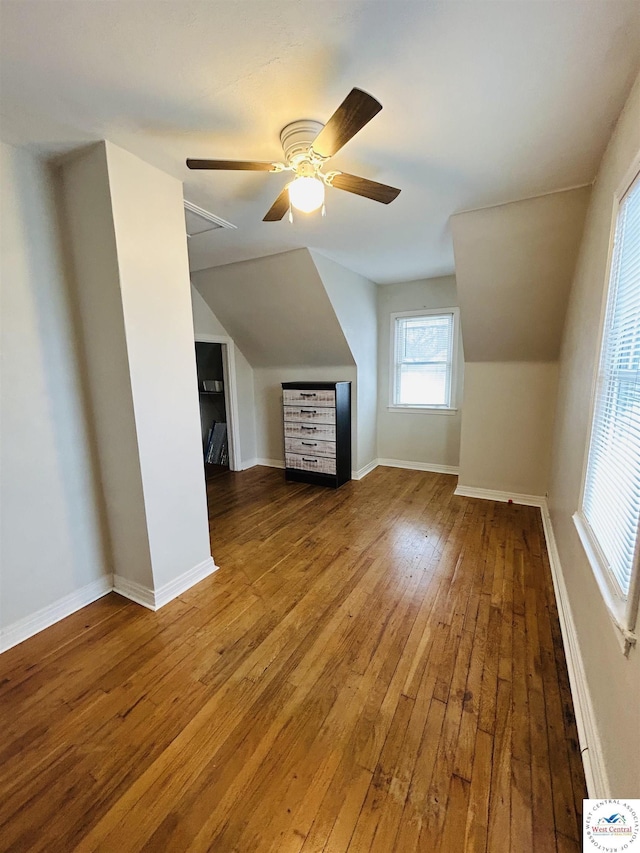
(507, 426)
(613, 680)
(415, 437)
(51, 542)
(151, 241)
(127, 231)
(89, 225)
(354, 299)
(205, 322)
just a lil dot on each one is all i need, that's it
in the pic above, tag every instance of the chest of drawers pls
(317, 432)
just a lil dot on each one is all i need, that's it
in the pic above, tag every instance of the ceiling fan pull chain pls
(290, 215)
(324, 209)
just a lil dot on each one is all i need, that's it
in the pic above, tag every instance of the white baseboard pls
(504, 497)
(367, 469)
(52, 613)
(171, 590)
(268, 463)
(432, 467)
(590, 746)
(155, 599)
(134, 591)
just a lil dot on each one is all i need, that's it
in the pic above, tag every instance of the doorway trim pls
(230, 393)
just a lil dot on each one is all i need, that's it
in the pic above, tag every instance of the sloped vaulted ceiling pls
(514, 267)
(277, 311)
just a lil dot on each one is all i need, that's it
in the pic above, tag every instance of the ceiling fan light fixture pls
(306, 194)
(307, 145)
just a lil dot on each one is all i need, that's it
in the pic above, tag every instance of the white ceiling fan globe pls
(306, 194)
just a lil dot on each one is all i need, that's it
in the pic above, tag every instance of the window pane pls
(423, 360)
(425, 339)
(424, 385)
(611, 502)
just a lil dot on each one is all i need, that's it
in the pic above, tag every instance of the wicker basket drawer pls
(320, 464)
(310, 414)
(311, 445)
(293, 396)
(324, 432)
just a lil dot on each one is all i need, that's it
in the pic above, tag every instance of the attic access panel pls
(200, 221)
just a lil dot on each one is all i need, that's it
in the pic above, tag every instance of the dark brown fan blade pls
(236, 165)
(357, 109)
(365, 187)
(279, 207)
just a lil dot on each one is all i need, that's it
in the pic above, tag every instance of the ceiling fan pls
(307, 146)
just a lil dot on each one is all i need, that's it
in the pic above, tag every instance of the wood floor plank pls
(463, 765)
(521, 811)
(456, 815)
(376, 669)
(541, 791)
(413, 816)
(477, 822)
(437, 797)
(499, 830)
(298, 797)
(373, 808)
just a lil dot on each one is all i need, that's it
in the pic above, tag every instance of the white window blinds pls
(611, 501)
(423, 360)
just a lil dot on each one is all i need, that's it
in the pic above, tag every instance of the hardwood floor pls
(374, 669)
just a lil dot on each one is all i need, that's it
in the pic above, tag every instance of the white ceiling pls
(484, 102)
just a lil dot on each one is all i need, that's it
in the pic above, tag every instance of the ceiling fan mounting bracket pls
(296, 139)
(329, 176)
(306, 169)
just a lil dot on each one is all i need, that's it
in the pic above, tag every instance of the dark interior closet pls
(213, 415)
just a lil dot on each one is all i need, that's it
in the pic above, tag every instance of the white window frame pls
(622, 609)
(430, 409)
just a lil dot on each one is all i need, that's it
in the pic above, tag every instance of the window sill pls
(423, 410)
(616, 605)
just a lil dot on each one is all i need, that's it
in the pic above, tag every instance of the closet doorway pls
(217, 394)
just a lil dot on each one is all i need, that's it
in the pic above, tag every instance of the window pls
(610, 508)
(424, 348)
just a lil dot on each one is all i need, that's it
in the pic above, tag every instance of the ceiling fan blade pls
(357, 109)
(236, 165)
(279, 207)
(363, 186)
